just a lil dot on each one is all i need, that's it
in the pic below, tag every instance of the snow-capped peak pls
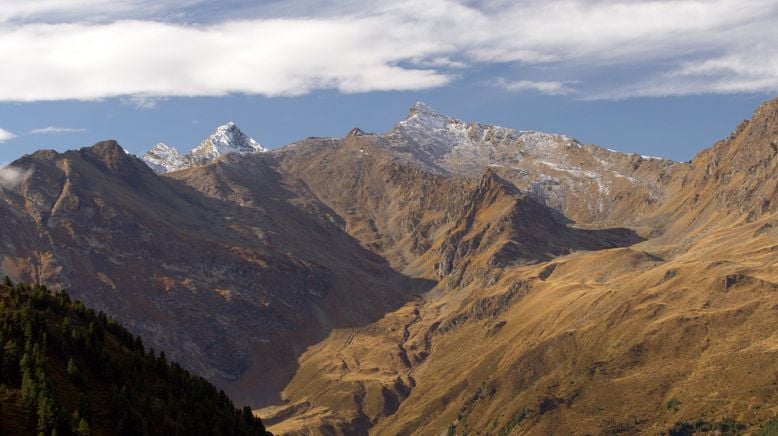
(435, 137)
(421, 116)
(226, 139)
(424, 109)
(162, 147)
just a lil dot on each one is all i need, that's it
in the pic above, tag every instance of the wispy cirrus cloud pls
(141, 101)
(5, 135)
(94, 49)
(543, 87)
(55, 130)
(87, 10)
(727, 74)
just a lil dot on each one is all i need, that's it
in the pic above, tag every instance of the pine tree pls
(72, 370)
(29, 387)
(83, 428)
(45, 413)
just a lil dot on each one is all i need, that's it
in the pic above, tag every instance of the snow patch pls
(575, 171)
(163, 158)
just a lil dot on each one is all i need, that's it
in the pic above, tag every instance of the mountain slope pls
(596, 342)
(216, 264)
(680, 328)
(732, 182)
(589, 343)
(69, 370)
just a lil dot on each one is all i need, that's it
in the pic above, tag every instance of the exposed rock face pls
(442, 275)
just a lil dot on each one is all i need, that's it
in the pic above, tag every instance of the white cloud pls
(10, 176)
(668, 46)
(273, 57)
(543, 87)
(5, 135)
(55, 129)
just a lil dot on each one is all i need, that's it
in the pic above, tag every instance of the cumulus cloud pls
(5, 135)
(675, 46)
(11, 176)
(55, 130)
(272, 58)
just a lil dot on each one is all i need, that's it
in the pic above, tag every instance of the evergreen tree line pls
(68, 370)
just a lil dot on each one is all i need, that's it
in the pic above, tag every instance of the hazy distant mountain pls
(442, 276)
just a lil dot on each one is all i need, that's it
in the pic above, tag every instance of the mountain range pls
(444, 276)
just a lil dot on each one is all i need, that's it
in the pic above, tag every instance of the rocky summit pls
(442, 277)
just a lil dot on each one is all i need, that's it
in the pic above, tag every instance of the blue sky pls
(665, 77)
